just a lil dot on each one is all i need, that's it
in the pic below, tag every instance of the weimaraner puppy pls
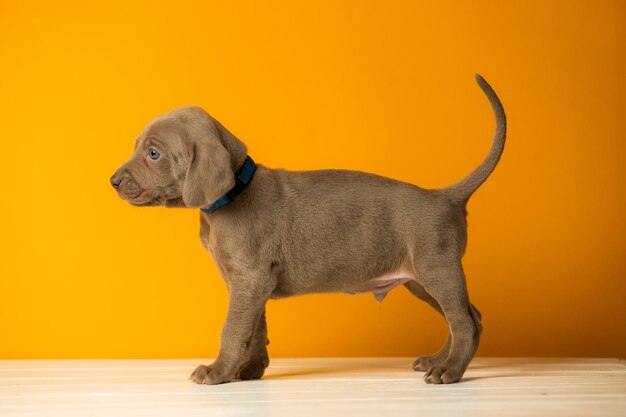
(275, 233)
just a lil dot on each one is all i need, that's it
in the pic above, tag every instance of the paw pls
(442, 374)
(207, 374)
(254, 368)
(424, 363)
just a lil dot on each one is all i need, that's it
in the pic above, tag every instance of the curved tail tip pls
(482, 83)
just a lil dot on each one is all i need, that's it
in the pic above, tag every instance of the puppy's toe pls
(424, 363)
(433, 375)
(443, 375)
(451, 375)
(201, 374)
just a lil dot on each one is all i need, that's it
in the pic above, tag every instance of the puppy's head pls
(183, 158)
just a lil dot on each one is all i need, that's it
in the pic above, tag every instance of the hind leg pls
(424, 363)
(444, 281)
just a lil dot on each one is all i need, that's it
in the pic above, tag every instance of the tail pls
(463, 190)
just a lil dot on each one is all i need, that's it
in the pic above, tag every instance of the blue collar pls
(242, 179)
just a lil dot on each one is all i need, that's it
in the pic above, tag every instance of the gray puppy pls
(275, 233)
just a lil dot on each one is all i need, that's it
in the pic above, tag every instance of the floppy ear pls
(209, 175)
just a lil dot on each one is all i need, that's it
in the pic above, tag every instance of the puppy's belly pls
(381, 285)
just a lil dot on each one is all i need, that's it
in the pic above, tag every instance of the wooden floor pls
(382, 387)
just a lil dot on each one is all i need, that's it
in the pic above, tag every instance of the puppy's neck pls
(243, 177)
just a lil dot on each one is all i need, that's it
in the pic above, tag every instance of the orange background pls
(384, 87)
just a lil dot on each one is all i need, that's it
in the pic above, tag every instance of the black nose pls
(116, 181)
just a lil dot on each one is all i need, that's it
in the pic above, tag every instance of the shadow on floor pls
(361, 373)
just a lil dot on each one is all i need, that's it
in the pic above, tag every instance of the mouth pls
(144, 199)
(130, 195)
(134, 196)
(154, 202)
(137, 198)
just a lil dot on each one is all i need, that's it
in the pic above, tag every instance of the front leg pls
(257, 357)
(245, 309)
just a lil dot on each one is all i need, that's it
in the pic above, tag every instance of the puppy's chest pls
(204, 232)
(227, 244)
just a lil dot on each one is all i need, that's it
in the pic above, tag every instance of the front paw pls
(208, 375)
(443, 374)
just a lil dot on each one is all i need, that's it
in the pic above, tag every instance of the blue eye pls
(153, 154)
